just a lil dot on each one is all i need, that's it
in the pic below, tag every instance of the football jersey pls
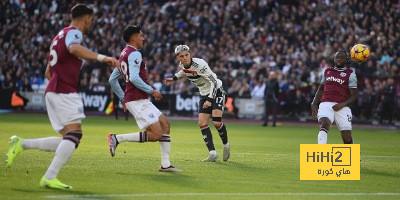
(131, 57)
(64, 67)
(337, 83)
(201, 75)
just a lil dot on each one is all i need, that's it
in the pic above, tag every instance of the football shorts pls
(144, 111)
(64, 109)
(218, 103)
(342, 117)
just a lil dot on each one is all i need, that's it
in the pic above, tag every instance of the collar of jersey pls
(338, 69)
(131, 46)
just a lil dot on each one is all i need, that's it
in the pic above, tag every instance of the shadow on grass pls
(241, 166)
(64, 194)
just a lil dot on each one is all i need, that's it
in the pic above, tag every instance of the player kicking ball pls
(336, 92)
(212, 102)
(135, 99)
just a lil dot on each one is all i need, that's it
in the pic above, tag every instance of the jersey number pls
(124, 69)
(53, 53)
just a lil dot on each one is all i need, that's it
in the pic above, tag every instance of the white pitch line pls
(91, 196)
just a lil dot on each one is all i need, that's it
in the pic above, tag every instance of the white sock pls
(322, 137)
(213, 152)
(165, 146)
(225, 145)
(44, 144)
(63, 153)
(132, 137)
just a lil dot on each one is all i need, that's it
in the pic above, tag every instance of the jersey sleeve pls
(353, 80)
(179, 74)
(134, 61)
(73, 37)
(323, 79)
(113, 80)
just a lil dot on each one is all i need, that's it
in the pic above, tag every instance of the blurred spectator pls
(240, 40)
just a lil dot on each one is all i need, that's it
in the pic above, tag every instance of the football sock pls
(165, 146)
(64, 151)
(132, 137)
(207, 136)
(223, 133)
(44, 144)
(323, 136)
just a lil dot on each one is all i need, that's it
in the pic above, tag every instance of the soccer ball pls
(360, 53)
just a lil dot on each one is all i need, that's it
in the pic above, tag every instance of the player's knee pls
(325, 123)
(217, 125)
(202, 124)
(74, 136)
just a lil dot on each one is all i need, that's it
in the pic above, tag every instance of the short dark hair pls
(80, 10)
(129, 31)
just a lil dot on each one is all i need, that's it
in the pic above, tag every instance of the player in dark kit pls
(135, 99)
(336, 92)
(63, 103)
(212, 101)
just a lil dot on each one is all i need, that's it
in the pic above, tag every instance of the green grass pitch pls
(264, 164)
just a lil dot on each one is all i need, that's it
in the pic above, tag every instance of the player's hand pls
(206, 104)
(124, 105)
(157, 95)
(337, 107)
(111, 61)
(314, 111)
(168, 81)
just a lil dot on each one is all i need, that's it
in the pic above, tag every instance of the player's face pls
(184, 58)
(138, 40)
(340, 59)
(88, 23)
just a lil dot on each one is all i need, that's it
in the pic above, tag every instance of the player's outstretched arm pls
(317, 100)
(85, 53)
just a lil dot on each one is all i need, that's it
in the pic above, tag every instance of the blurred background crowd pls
(241, 40)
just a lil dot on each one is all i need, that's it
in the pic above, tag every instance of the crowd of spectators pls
(241, 40)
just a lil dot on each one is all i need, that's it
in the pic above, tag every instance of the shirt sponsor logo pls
(338, 80)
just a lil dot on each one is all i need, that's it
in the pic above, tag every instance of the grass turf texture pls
(264, 164)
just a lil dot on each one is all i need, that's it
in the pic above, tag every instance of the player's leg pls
(221, 128)
(346, 137)
(325, 118)
(165, 146)
(139, 109)
(69, 109)
(17, 144)
(72, 134)
(207, 137)
(323, 130)
(343, 119)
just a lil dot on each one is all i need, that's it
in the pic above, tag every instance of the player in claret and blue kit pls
(155, 125)
(336, 92)
(63, 103)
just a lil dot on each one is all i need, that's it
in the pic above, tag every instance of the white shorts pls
(144, 111)
(342, 117)
(64, 109)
